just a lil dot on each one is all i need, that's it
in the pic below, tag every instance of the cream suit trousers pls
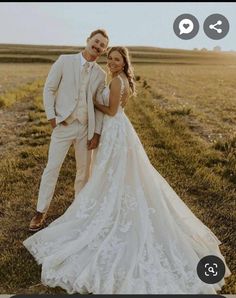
(61, 140)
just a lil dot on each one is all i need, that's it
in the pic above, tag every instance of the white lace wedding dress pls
(127, 232)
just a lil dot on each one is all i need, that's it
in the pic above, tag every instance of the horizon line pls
(128, 46)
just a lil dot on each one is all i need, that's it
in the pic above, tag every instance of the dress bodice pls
(106, 93)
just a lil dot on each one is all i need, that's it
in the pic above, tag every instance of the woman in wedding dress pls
(127, 232)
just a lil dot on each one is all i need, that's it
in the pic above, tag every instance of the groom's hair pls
(101, 31)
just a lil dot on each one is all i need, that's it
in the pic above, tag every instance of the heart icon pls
(186, 26)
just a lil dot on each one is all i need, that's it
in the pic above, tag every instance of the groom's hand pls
(93, 143)
(53, 122)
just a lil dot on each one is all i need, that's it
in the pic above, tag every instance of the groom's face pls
(97, 45)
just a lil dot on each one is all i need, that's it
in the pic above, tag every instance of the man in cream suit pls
(68, 94)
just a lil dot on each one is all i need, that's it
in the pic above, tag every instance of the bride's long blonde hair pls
(128, 69)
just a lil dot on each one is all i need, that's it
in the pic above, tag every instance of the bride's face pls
(115, 62)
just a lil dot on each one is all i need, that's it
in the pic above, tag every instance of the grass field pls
(185, 117)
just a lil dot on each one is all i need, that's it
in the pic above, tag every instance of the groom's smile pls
(96, 49)
(97, 45)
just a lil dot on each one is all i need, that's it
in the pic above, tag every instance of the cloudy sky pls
(149, 24)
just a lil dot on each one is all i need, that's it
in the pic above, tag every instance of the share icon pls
(213, 26)
(216, 26)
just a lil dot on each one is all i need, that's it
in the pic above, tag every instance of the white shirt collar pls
(83, 61)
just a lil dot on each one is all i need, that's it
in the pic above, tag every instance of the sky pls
(140, 23)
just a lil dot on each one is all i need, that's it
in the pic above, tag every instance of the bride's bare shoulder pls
(115, 83)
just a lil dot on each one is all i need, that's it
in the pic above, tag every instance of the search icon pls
(211, 269)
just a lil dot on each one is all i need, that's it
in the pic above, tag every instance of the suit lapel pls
(77, 72)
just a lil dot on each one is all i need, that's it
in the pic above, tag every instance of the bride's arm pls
(114, 99)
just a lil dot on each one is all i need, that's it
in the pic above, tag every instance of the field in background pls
(14, 75)
(184, 114)
(39, 54)
(205, 94)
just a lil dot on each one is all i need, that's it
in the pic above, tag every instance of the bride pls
(127, 232)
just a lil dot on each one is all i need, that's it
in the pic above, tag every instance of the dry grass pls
(14, 75)
(173, 114)
(205, 94)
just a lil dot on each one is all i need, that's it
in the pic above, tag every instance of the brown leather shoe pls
(37, 222)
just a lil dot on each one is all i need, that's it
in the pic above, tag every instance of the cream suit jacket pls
(61, 91)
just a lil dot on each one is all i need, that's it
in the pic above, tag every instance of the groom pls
(68, 94)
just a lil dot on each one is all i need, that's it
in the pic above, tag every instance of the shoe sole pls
(35, 230)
